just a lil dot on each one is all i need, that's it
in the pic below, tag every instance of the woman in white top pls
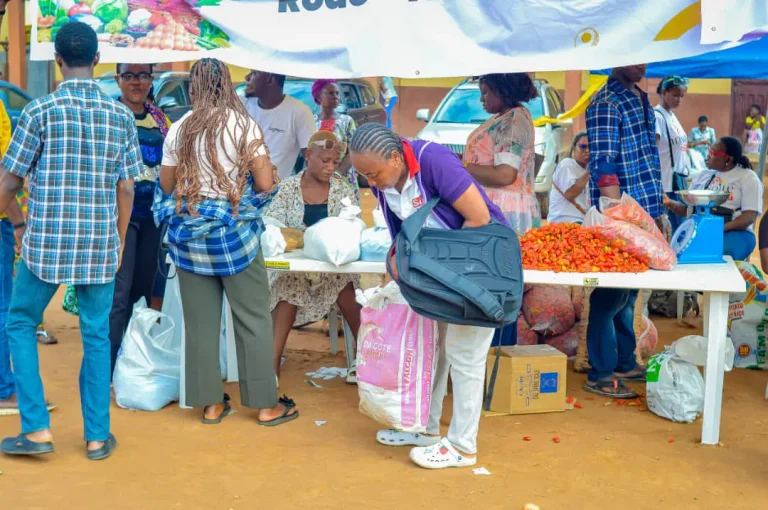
(569, 197)
(672, 138)
(731, 172)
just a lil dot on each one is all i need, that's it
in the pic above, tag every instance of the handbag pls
(472, 276)
(572, 202)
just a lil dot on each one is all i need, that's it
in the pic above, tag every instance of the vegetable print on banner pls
(344, 38)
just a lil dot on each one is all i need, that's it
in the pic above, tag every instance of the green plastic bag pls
(70, 301)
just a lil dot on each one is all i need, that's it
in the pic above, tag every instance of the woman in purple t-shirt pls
(404, 176)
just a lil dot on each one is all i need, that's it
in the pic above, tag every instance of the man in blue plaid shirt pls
(80, 151)
(624, 158)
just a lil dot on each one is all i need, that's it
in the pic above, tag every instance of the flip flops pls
(285, 417)
(105, 451)
(637, 374)
(611, 388)
(20, 445)
(226, 412)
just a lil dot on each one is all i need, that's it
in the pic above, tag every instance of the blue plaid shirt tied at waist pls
(214, 242)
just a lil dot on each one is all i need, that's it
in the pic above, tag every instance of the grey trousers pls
(248, 295)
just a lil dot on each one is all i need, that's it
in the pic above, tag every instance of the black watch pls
(19, 225)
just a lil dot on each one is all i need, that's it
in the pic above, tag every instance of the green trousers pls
(248, 296)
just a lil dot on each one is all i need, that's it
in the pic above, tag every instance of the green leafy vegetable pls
(47, 7)
(208, 3)
(210, 31)
(108, 10)
(114, 27)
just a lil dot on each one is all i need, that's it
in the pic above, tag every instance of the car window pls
(109, 87)
(554, 103)
(15, 100)
(368, 98)
(173, 93)
(352, 98)
(301, 90)
(463, 106)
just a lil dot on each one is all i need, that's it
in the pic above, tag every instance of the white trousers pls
(462, 352)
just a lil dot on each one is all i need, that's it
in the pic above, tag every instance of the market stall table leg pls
(715, 329)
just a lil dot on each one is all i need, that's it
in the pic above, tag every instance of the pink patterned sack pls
(396, 359)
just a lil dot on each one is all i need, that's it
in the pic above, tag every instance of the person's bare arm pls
(264, 174)
(124, 209)
(493, 176)
(473, 208)
(345, 165)
(743, 222)
(10, 185)
(575, 190)
(676, 207)
(167, 179)
(764, 259)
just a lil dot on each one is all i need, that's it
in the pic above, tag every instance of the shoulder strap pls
(669, 138)
(413, 224)
(573, 202)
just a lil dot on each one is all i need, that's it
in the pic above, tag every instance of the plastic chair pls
(349, 338)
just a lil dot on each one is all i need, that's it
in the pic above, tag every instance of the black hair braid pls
(512, 88)
(376, 138)
(734, 149)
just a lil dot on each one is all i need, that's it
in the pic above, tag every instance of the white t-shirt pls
(208, 186)
(568, 171)
(404, 203)
(287, 129)
(745, 188)
(682, 164)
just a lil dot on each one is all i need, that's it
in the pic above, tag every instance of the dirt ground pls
(609, 456)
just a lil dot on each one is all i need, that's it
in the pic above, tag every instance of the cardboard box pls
(531, 379)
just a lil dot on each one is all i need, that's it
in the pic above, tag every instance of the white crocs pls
(439, 456)
(399, 438)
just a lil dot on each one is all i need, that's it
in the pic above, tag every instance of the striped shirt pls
(621, 128)
(73, 145)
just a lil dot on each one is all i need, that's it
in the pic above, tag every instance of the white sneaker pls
(399, 438)
(439, 456)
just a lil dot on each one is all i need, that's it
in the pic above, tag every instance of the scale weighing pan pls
(699, 239)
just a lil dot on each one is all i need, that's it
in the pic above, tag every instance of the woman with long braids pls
(215, 180)
(404, 176)
(499, 152)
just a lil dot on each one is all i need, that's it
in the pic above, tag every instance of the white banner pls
(729, 20)
(402, 38)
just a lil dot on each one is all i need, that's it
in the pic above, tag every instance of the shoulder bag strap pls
(572, 202)
(669, 139)
(414, 223)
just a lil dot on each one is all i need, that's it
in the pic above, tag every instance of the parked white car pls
(461, 111)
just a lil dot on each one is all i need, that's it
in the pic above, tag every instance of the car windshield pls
(301, 90)
(463, 106)
(109, 87)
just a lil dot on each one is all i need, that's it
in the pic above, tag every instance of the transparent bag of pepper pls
(627, 209)
(648, 248)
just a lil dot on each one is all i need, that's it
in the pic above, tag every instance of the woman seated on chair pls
(303, 200)
(730, 171)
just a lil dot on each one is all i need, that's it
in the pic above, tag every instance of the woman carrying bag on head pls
(672, 139)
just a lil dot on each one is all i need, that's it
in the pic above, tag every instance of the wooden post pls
(572, 95)
(17, 45)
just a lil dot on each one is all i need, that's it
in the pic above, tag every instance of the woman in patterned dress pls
(327, 94)
(303, 200)
(499, 153)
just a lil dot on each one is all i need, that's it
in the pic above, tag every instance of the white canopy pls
(411, 38)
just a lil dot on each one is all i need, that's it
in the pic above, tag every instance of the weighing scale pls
(699, 239)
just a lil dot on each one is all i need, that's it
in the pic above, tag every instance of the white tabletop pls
(296, 261)
(723, 277)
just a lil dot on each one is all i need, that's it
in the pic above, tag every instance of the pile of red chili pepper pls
(571, 248)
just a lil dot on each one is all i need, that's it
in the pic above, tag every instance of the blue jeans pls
(30, 298)
(739, 244)
(508, 335)
(7, 254)
(611, 333)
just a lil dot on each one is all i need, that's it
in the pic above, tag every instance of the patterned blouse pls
(508, 139)
(288, 205)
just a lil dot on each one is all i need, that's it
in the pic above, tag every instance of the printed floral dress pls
(313, 293)
(508, 139)
(343, 127)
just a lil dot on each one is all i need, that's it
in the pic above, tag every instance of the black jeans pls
(135, 279)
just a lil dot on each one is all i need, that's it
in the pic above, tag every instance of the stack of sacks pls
(554, 315)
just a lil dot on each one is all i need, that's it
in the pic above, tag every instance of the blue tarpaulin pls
(747, 62)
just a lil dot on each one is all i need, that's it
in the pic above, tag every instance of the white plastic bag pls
(396, 360)
(272, 242)
(675, 386)
(146, 375)
(336, 239)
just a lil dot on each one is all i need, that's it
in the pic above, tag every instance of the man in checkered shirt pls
(80, 151)
(624, 158)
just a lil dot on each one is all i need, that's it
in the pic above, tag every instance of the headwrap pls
(318, 87)
(673, 81)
